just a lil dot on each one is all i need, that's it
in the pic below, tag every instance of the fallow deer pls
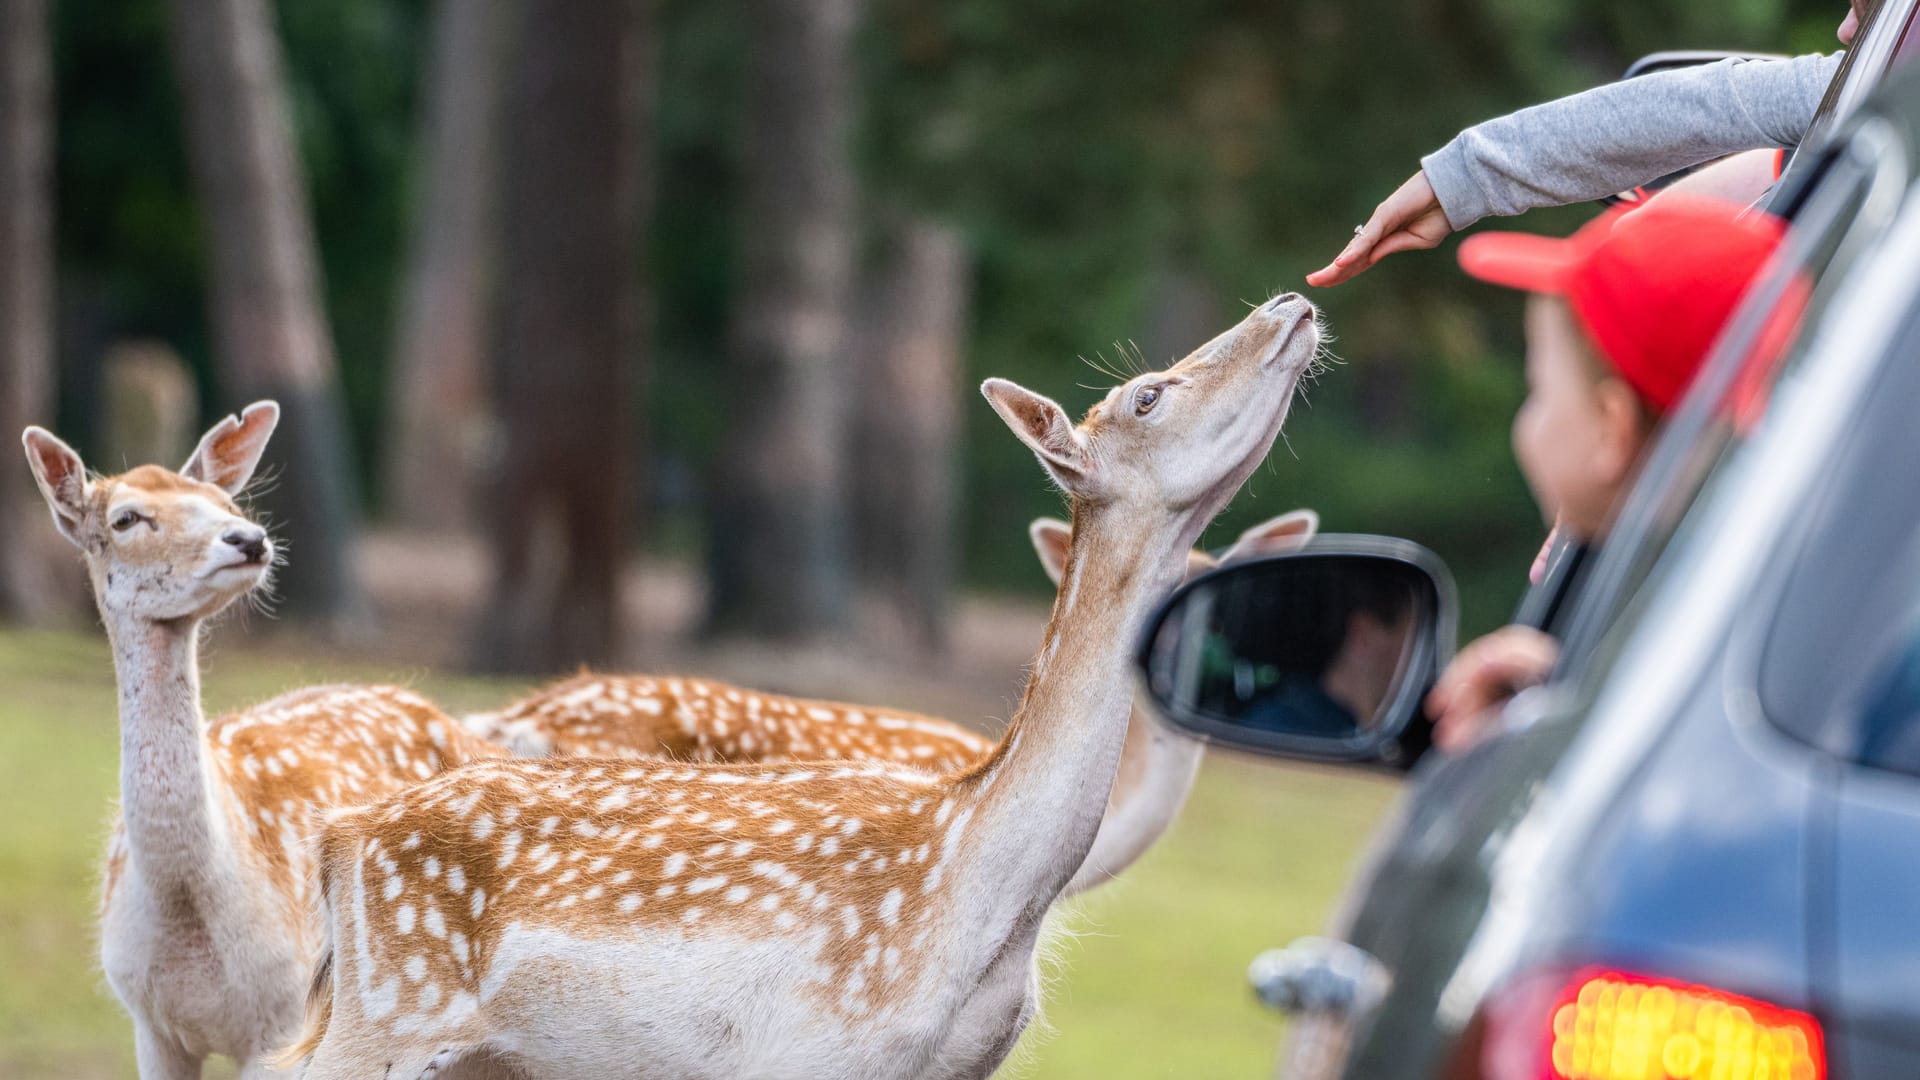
(702, 721)
(646, 919)
(206, 931)
(1158, 765)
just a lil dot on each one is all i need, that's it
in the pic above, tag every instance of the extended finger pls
(1404, 240)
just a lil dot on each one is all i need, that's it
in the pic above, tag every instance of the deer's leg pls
(160, 1059)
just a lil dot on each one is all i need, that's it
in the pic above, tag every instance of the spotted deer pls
(206, 935)
(1158, 765)
(591, 919)
(703, 721)
(699, 720)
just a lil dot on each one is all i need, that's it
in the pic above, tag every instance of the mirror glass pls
(1325, 653)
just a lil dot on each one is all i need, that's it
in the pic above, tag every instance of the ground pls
(1151, 982)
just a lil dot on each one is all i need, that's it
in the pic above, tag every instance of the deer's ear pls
(62, 478)
(230, 450)
(1043, 426)
(1270, 537)
(1051, 539)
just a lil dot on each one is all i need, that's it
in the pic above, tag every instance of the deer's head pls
(163, 545)
(1180, 440)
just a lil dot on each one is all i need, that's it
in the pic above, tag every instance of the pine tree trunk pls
(907, 427)
(271, 337)
(570, 347)
(26, 294)
(440, 416)
(778, 561)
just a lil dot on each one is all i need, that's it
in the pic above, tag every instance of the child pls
(1601, 141)
(1620, 318)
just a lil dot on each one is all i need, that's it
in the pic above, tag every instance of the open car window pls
(1849, 197)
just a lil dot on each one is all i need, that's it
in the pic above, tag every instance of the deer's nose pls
(251, 542)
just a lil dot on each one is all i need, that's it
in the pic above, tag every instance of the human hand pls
(1737, 178)
(1410, 220)
(1538, 571)
(1483, 677)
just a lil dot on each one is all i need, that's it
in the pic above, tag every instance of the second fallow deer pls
(703, 721)
(645, 919)
(1158, 765)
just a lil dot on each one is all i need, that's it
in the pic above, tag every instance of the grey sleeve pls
(1627, 133)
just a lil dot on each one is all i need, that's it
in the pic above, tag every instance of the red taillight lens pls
(1607, 1025)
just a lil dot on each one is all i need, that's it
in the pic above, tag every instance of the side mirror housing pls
(1324, 653)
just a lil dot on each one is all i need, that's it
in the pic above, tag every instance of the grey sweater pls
(1624, 134)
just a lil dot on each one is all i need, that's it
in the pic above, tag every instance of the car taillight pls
(1608, 1025)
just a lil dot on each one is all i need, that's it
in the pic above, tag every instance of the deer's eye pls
(125, 520)
(1145, 400)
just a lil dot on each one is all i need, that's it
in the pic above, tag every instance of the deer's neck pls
(1157, 769)
(174, 834)
(1038, 799)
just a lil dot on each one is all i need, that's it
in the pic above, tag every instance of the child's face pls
(1579, 433)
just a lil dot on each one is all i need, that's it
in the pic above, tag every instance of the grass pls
(1149, 981)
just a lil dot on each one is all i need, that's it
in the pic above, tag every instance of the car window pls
(1846, 202)
(1840, 668)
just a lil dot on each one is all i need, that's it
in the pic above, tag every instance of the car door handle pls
(1319, 975)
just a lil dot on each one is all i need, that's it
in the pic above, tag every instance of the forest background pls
(644, 334)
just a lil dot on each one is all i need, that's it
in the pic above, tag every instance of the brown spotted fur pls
(699, 720)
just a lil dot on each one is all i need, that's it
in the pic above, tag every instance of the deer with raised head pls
(1158, 765)
(649, 919)
(702, 721)
(206, 933)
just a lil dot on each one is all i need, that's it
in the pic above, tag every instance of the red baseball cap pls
(1652, 285)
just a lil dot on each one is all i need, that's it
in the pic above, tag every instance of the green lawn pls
(1149, 981)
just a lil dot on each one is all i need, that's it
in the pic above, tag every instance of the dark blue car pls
(1696, 851)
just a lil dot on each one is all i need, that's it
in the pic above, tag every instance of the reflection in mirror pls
(1316, 648)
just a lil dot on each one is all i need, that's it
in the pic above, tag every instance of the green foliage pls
(1085, 149)
(132, 255)
(1086, 146)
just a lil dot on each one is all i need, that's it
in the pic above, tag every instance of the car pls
(1694, 852)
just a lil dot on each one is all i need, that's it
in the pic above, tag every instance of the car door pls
(1425, 892)
(1834, 662)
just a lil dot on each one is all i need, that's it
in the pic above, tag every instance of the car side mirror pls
(1668, 61)
(1324, 653)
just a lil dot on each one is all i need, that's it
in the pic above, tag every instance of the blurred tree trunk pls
(271, 337)
(440, 414)
(578, 104)
(907, 426)
(26, 294)
(778, 564)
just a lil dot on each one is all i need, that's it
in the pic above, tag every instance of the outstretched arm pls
(1594, 143)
